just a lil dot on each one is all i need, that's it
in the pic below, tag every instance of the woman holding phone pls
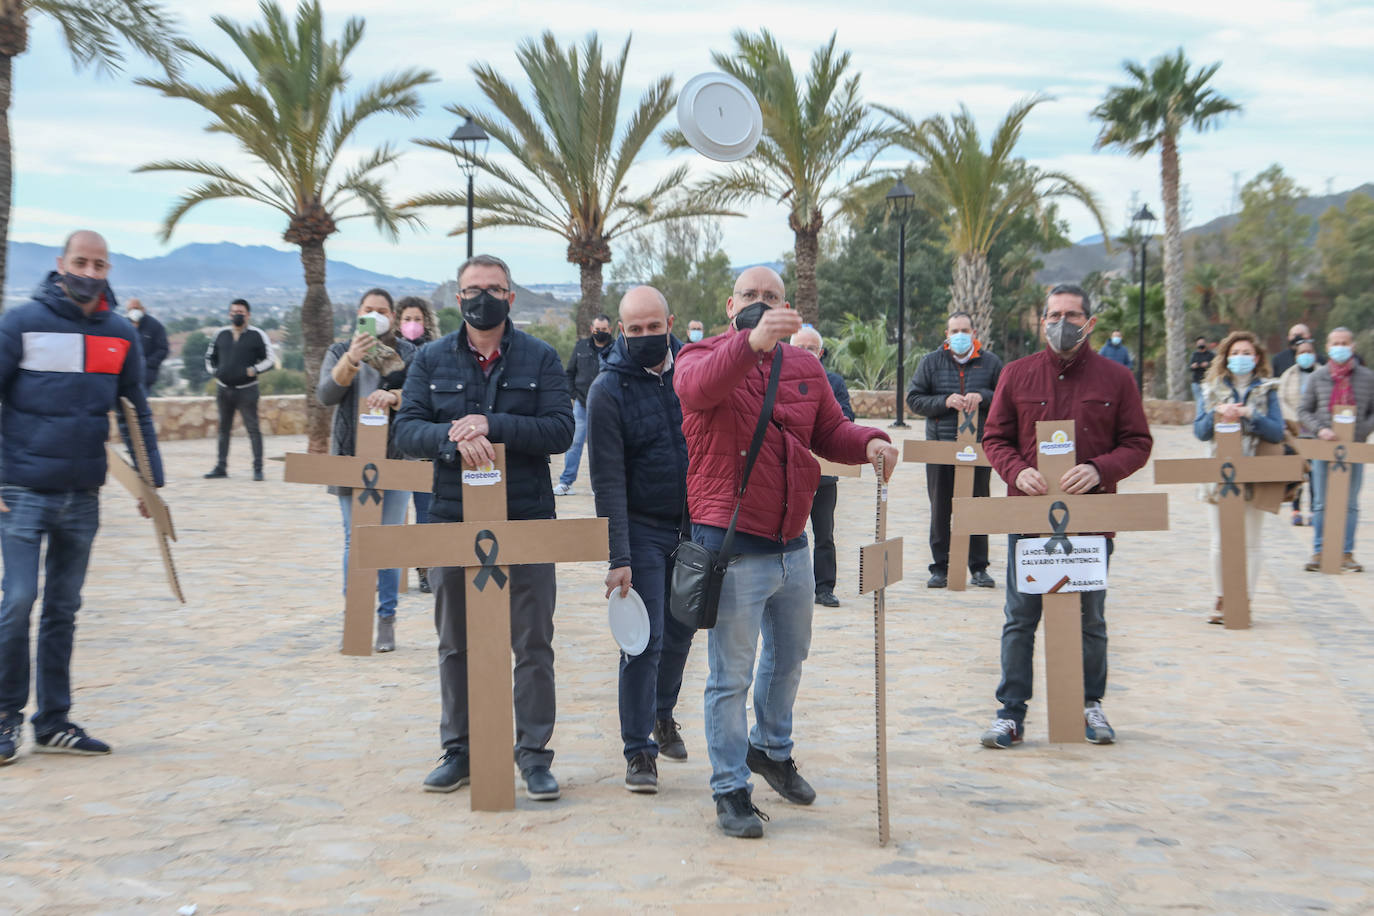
(370, 370)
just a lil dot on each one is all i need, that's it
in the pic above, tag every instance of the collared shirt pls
(487, 363)
(667, 366)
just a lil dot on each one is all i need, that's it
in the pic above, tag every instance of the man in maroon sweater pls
(1066, 381)
(769, 587)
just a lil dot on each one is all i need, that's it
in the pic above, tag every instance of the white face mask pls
(135, 315)
(383, 323)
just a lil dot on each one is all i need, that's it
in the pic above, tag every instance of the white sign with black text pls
(1042, 571)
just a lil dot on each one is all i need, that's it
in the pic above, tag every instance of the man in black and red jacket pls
(1065, 381)
(960, 376)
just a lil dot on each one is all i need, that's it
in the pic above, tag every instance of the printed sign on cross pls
(487, 542)
(1231, 469)
(965, 453)
(369, 472)
(1339, 454)
(1058, 515)
(880, 565)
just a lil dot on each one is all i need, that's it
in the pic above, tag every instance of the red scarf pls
(1342, 384)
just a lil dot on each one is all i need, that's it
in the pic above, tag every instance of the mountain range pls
(1071, 265)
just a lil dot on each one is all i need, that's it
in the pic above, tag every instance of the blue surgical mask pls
(695, 334)
(1116, 339)
(960, 342)
(1306, 360)
(1240, 364)
(1340, 353)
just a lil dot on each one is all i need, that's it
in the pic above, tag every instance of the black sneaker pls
(937, 580)
(450, 774)
(540, 784)
(424, 581)
(69, 739)
(782, 775)
(216, 473)
(257, 475)
(10, 736)
(737, 816)
(641, 774)
(983, 580)
(827, 599)
(670, 743)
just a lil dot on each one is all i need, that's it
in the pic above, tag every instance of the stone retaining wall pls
(882, 405)
(198, 418)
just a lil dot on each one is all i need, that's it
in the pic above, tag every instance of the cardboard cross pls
(965, 453)
(1035, 515)
(138, 480)
(369, 472)
(1231, 469)
(880, 565)
(486, 541)
(1339, 455)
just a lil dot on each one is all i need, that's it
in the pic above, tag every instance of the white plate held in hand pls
(629, 621)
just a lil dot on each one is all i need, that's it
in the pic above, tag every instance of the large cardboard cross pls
(965, 453)
(369, 472)
(138, 480)
(1230, 469)
(1339, 456)
(1056, 514)
(880, 565)
(486, 541)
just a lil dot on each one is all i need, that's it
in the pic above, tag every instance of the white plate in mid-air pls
(719, 116)
(629, 620)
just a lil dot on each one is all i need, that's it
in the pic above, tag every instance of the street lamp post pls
(1144, 222)
(899, 201)
(465, 140)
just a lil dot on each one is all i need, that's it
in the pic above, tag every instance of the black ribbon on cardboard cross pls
(968, 425)
(1340, 455)
(489, 568)
(1228, 480)
(1060, 527)
(370, 491)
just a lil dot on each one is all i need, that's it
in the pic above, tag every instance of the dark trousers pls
(823, 529)
(1018, 642)
(245, 401)
(532, 594)
(940, 486)
(651, 680)
(68, 521)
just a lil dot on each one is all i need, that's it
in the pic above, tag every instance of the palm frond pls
(92, 30)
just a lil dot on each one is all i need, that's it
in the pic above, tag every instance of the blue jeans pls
(69, 521)
(1352, 507)
(422, 501)
(1018, 642)
(393, 513)
(573, 458)
(1197, 392)
(772, 594)
(650, 681)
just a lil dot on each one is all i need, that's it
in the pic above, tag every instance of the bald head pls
(1299, 332)
(757, 284)
(85, 256)
(638, 299)
(84, 238)
(808, 338)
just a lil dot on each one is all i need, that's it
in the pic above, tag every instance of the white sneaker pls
(1095, 727)
(562, 489)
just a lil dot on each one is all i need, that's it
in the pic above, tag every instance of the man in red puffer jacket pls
(770, 586)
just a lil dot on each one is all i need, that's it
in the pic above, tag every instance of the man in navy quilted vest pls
(66, 358)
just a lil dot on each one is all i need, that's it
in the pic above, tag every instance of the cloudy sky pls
(1301, 68)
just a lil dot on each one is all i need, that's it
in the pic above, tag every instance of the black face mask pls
(82, 290)
(647, 351)
(749, 316)
(238, 320)
(485, 311)
(601, 337)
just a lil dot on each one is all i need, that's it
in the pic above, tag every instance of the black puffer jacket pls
(525, 401)
(938, 376)
(638, 454)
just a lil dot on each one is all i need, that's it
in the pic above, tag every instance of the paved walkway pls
(258, 771)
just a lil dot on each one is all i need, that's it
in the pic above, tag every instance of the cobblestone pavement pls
(258, 771)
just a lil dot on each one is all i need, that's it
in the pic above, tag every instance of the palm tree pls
(572, 172)
(290, 115)
(90, 30)
(1207, 280)
(1152, 111)
(983, 192)
(812, 132)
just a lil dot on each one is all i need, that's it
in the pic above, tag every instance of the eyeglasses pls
(1075, 317)
(768, 297)
(472, 292)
